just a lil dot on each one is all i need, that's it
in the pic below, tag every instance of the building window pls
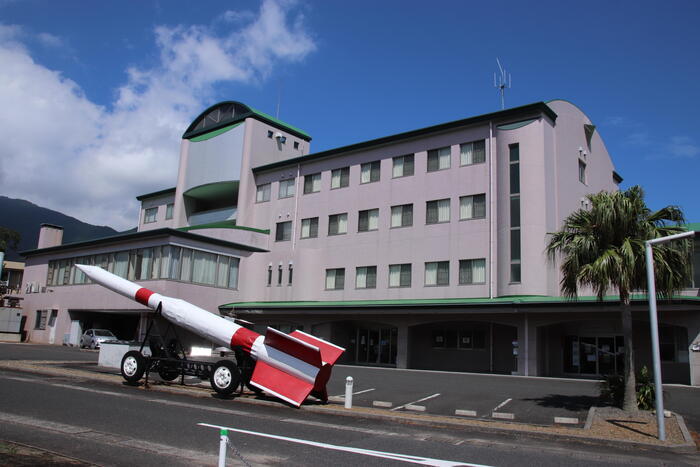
(437, 273)
(284, 231)
(515, 266)
(581, 171)
(263, 193)
(472, 207)
(402, 166)
(399, 275)
(402, 216)
(369, 172)
(472, 153)
(169, 211)
(269, 133)
(439, 159)
(279, 274)
(312, 183)
(472, 271)
(286, 188)
(366, 277)
(368, 220)
(335, 279)
(340, 178)
(437, 211)
(40, 323)
(291, 274)
(296, 144)
(338, 224)
(309, 227)
(269, 275)
(149, 215)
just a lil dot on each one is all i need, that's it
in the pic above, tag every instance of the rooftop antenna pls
(279, 99)
(503, 82)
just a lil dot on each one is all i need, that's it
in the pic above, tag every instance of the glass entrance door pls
(376, 345)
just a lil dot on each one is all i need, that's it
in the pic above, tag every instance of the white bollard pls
(222, 447)
(348, 392)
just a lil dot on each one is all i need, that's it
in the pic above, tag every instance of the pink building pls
(423, 249)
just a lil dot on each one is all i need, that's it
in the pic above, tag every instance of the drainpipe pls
(492, 219)
(297, 194)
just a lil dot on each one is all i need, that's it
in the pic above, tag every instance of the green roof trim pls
(119, 239)
(230, 224)
(214, 133)
(241, 112)
(280, 122)
(214, 190)
(524, 111)
(695, 226)
(155, 194)
(508, 300)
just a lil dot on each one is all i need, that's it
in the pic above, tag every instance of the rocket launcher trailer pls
(288, 366)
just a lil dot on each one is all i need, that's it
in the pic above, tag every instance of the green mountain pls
(26, 218)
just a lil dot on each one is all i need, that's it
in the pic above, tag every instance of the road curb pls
(482, 425)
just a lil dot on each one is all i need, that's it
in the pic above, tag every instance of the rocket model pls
(288, 366)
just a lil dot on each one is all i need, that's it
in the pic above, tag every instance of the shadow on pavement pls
(573, 403)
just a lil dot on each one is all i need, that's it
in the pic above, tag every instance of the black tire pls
(133, 366)
(225, 377)
(168, 374)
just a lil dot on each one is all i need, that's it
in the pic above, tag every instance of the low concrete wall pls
(10, 337)
(111, 353)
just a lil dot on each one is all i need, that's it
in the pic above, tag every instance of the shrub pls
(612, 389)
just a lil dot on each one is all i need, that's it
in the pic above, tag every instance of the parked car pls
(92, 338)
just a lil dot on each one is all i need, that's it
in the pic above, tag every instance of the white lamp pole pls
(654, 324)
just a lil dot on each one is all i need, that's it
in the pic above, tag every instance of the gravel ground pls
(610, 422)
(20, 455)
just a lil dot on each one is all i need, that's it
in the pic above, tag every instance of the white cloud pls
(682, 146)
(62, 151)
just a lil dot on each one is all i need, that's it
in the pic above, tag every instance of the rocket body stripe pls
(142, 295)
(244, 338)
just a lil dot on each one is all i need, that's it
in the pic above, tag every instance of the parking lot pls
(521, 399)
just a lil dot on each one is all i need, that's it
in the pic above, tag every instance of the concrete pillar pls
(50, 235)
(402, 346)
(527, 347)
(694, 356)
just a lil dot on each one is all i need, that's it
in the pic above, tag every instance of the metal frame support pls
(654, 325)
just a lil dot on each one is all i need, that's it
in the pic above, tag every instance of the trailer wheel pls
(133, 366)
(225, 378)
(168, 374)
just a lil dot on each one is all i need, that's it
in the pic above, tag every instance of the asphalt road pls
(109, 424)
(528, 400)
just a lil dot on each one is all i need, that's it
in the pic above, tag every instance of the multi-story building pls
(424, 249)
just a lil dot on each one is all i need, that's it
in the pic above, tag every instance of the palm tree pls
(603, 248)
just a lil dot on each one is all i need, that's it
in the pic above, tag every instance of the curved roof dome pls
(229, 112)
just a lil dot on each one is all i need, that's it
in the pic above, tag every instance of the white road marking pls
(96, 391)
(200, 407)
(366, 452)
(419, 400)
(342, 396)
(501, 404)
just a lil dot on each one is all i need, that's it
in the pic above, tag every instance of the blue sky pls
(94, 96)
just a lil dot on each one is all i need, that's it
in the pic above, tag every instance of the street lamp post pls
(654, 324)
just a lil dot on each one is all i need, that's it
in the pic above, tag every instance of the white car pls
(92, 338)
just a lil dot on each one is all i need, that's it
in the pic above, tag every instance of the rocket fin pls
(329, 352)
(297, 348)
(280, 384)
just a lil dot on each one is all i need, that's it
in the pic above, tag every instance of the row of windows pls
(160, 262)
(402, 166)
(437, 273)
(436, 212)
(151, 214)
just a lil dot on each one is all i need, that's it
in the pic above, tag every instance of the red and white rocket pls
(288, 366)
